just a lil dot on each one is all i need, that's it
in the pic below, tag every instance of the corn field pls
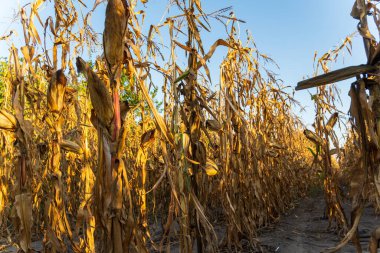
(138, 149)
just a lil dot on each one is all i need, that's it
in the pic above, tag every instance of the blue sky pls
(288, 31)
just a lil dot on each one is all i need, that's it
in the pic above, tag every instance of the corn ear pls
(313, 137)
(331, 122)
(56, 92)
(100, 97)
(213, 125)
(71, 146)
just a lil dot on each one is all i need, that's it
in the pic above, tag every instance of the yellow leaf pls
(211, 168)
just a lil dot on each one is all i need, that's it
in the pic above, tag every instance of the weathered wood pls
(335, 76)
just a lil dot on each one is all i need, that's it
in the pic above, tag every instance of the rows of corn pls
(91, 161)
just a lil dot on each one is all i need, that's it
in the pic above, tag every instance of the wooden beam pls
(335, 76)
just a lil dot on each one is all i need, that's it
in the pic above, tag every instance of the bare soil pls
(304, 229)
(300, 230)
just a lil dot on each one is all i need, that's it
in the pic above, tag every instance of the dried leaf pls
(7, 121)
(211, 168)
(23, 202)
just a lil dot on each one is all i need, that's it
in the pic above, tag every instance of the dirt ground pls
(300, 230)
(303, 229)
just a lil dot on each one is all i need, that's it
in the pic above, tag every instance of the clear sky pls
(288, 31)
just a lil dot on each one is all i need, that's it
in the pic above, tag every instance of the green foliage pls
(127, 94)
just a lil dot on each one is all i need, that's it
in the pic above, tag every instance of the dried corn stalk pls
(212, 147)
(364, 113)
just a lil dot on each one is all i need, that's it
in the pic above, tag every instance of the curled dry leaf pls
(355, 12)
(365, 33)
(275, 145)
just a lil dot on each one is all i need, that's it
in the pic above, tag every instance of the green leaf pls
(312, 152)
